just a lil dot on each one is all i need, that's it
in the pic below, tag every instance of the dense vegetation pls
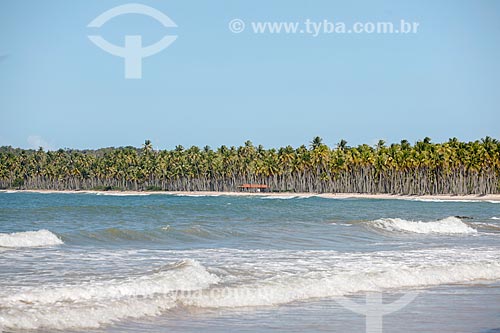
(452, 167)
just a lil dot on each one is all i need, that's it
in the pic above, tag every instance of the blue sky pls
(214, 87)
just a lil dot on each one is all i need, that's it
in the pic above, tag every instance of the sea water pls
(172, 263)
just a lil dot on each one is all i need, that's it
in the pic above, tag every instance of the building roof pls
(253, 186)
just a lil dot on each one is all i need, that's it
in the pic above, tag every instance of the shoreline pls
(440, 197)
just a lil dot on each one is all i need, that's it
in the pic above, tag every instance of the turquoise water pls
(167, 263)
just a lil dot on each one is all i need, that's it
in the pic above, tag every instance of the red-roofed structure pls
(255, 187)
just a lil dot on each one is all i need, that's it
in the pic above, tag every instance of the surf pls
(37, 238)
(190, 284)
(98, 303)
(449, 225)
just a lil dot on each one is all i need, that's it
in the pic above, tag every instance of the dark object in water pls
(464, 217)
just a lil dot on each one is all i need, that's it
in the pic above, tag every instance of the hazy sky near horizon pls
(214, 87)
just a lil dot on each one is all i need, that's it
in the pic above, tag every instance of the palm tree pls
(342, 145)
(424, 168)
(147, 146)
(316, 142)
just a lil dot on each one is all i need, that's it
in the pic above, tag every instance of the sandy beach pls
(488, 197)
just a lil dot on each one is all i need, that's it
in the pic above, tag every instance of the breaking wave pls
(190, 284)
(186, 275)
(102, 302)
(285, 290)
(29, 239)
(449, 225)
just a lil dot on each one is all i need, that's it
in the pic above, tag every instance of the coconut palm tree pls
(424, 168)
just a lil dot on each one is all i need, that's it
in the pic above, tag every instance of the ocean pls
(103, 262)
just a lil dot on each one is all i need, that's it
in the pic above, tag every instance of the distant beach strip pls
(492, 198)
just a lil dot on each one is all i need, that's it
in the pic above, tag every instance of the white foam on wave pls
(190, 284)
(29, 239)
(495, 218)
(285, 290)
(449, 225)
(280, 197)
(120, 194)
(102, 302)
(189, 275)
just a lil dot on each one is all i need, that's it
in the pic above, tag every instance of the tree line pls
(451, 167)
